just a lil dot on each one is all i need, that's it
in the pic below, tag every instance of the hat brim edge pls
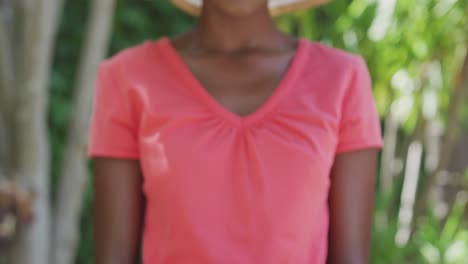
(278, 11)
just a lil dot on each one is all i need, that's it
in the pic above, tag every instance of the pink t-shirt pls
(226, 189)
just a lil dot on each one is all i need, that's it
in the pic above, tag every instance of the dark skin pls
(254, 56)
(118, 211)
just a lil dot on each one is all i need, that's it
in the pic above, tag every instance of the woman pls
(234, 143)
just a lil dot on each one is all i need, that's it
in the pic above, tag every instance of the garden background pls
(417, 53)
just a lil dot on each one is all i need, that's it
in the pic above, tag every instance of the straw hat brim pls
(281, 9)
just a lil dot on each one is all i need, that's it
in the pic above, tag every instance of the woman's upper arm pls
(113, 144)
(118, 210)
(351, 203)
(351, 197)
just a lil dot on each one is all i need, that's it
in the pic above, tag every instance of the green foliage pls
(137, 21)
(431, 243)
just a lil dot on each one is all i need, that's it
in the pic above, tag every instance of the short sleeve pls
(113, 130)
(359, 124)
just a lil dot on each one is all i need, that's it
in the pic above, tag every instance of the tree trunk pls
(408, 193)
(387, 170)
(74, 172)
(6, 87)
(35, 26)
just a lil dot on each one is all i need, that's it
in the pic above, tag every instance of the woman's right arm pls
(118, 211)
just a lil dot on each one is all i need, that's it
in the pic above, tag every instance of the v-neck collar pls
(285, 84)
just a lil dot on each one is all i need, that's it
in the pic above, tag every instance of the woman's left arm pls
(351, 204)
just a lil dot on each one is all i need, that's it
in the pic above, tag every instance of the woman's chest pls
(184, 140)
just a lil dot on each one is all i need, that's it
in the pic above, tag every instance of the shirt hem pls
(359, 146)
(113, 154)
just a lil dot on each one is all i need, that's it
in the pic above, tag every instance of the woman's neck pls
(219, 32)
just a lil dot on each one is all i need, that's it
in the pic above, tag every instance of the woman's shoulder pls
(137, 56)
(330, 57)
